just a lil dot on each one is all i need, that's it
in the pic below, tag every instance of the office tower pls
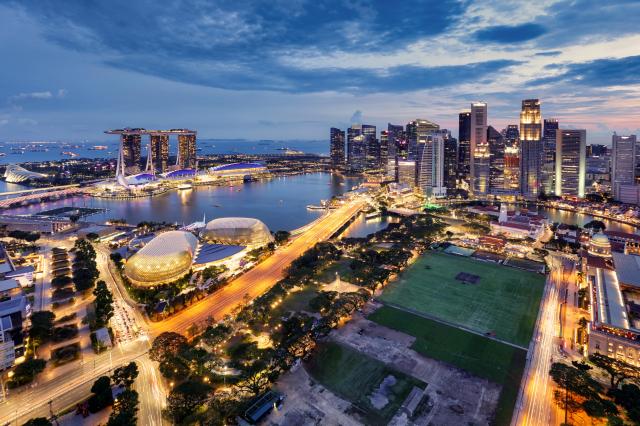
(373, 151)
(391, 172)
(548, 162)
(450, 162)
(130, 143)
(512, 159)
(406, 172)
(417, 132)
(384, 148)
(360, 138)
(530, 147)
(397, 140)
(336, 148)
(479, 149)
(496, 160)
(160, 151)
(464, 154)
(596, 150)
(187, 151)
(623, 149)
(571, 159)
(430, 165)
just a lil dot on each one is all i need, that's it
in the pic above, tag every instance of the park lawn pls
(355, 376)
(328, 275)
(296, 301)
(478, 355)
(505, 300)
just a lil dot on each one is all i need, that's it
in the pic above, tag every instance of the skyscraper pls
(160, 151)
(496, 160)
(373, 151)
(384, 148)
(512, 159)
(450, 162)
(336, 148)
(417, 132)
(360, 138)
(548, 165)
(397, 140)
(131, 146)
(464, 154)
(430, 165)
(187, 150)
(571, 162)
(530, 147)
(622, 162)
(479, 149)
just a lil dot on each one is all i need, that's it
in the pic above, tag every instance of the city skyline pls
(227, 74)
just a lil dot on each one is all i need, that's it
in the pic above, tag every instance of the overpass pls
(262, 277)
(34, 190)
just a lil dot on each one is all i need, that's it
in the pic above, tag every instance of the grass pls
(505, 301)
(355, 376)
(480, 356)
(342, 267)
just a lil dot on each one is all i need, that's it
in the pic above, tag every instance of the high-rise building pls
(450, 162)
(623, 150)
(430, 165)
(496, 160)
(397, 141)
(479, 149)
(417, 132)
(131, 147)
(406, 172)
(596, 150)
(360, 139)
(187, 151)
(548, 162)
(571, 162)
(530, 147)
(374, 152)
(464, 153)
(512, 159)
(384, 149)
(336, 148)
(159, 151)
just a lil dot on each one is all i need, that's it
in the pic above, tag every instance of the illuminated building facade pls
(336, 148)
(406, 172)
(530, 147)
(187, 151)
(450, 162)
(548, 165)
(160, 151)
(479, 149)
(397, 141)
(430, 166)
(622, 162)
(571, 159)
(496, 160)
(464, 153)
(417, 131)
(360, 139)
(131, 145)
(384, 148)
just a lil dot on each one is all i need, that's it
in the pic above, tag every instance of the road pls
(535, 405)
(67, 389)
(259, 279)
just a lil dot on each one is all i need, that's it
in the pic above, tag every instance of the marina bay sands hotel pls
(158, 147)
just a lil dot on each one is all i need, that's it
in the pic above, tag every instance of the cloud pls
(597, 73)
(37, 96)
(356, 118)
(510, 34)
(549, 53)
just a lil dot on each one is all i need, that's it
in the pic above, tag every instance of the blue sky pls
(291, 69)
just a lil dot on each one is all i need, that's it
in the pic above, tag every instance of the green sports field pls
(504, 301)
(355, 376)
(480, 356)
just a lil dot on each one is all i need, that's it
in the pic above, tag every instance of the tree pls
(38, 421)
(126, 375)
(281, 237)
(125, 409)
(41, 326)
(628, 396)
(25, 372)
(617, 369)
(596, 225)
(185, 398)
(574, 381)
(166, 345)
(102, 396)
(103, 304)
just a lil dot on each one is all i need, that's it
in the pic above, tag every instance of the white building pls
(430, 166)
(623, 156)
(479, 149)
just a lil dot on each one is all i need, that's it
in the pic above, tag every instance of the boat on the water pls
(185, 186)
